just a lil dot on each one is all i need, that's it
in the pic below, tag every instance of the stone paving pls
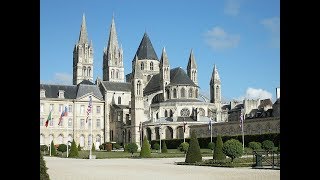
(147, 169)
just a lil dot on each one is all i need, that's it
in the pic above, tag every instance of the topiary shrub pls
(74, 150)
(156, 146)
(218, 153)
(211, 145)
(53, 149)
(254, 145)
(145, 149)
(62, 148)
(43, 169)
(233, 149)
(164, 148)
(93, 148)
(267, 145)
(101, 147)
(131, 148)
(184, 147)
(117, 146)
(193, 154)
(79, 147)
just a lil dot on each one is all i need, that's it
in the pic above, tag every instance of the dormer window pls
(42, 93)
(61, 94)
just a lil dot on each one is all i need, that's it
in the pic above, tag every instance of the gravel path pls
(148, 169)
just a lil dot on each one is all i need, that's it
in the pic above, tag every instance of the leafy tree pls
(43, 169)
(79, 147)
(44, 148)
(164, 148)
(233, 149)
(254, 145)
(184, 147)
(131, 148)
(62, 148)
(53, 149)
(93, 148)
(145, 149)
(267, 145)
(218, 153)
(156, 146)
(193, 154)
(74, 150)
(211, 145)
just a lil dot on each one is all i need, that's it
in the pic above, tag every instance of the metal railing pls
(266, 159)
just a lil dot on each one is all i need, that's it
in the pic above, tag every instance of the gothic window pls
(174, 93)
(171, 113)
(142, 66)
(196, 93)
(151, 66)
(202, 112)
(157, 115)
(84, 71)
(117, 74)
(165, 113)
(168, 93)
(89, 71)
(217, 93)
(182, 92)
(112, 73)
(190, 93)
(185, 112)
(138, 88)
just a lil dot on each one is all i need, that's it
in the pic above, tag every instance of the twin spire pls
(83, 37)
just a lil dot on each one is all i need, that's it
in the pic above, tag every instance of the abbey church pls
(155, 99)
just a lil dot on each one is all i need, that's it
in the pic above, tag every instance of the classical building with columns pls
(155, 99)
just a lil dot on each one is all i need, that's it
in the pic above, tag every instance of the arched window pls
(151, 66)
(196, 93)
(165, 113)
(171, 113)
(60, 139)
(190, 93)
(117, 74)
(88, 72)
(174, 93)
(168, 93)
(217, 93)
(84, 71)
(157, 115)
(119, 100)
(138, 88)
(142, 66)
(182, 92)
(112, 73)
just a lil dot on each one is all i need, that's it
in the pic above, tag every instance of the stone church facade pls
(155, 99)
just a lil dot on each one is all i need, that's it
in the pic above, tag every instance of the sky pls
(242, 37)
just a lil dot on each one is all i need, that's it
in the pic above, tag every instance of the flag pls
(64, 113)
(89, 108)
(184, 126)
(241, 118)
(210, 123)
(48, 119)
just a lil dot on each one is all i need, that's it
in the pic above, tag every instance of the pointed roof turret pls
(113, 40)
(164, 57)
(137, 72)
(192, 62)
(215, 74)
(145, 50)
(83, 37)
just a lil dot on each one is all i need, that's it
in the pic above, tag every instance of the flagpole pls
(242, 135)
(160, 135)
(211, 130)
(66, 109)
(184, 129)
(50, 130)
(91, 128)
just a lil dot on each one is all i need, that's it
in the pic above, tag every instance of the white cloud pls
(253, 93)
(273, 26)
(63, 78)
(219, 39)
(232, 7)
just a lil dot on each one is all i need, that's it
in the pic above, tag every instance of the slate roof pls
(177, 77)
(84, 89)
(52, 91)
(86, 82)
(186, 119)
(117, 86)
(120, 106)
(145, 50)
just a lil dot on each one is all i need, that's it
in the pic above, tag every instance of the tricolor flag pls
(210, 123)
(241, 118)
(48, 119)
(64, 113)
(184, 126)
(89, 108)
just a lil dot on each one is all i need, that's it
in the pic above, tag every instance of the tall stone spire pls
(164, 57)
(192, 70)
(215, 74)
(215, 87)
(113, 69)
(164, 74)
(83, 37)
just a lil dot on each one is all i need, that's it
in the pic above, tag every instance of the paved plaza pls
(147, 169)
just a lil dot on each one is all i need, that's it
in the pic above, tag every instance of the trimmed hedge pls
(203, 142)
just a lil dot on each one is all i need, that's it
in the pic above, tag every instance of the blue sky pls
(242, 37)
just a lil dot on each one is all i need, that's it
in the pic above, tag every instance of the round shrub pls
(156, 146)
(44, 148)
(117, 146)
(233, 149)
(62, 148)
(184, 147)
(101, 147)
(211, 145)
(267, 145)
(131, 148)
(254, 145)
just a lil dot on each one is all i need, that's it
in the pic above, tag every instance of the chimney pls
(278, 92)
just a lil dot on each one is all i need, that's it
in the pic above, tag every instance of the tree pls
(193, 154)
(267, 145)
(183, 147)
(211, 145)
(74, 150)
(93, 147)
(44, 148)
(53, 149)
(233, 149)
(254, 145)
(218, 153)
(156, 146)
(62, 148)
(43, 169)
(131, 148)
(145, 149)
(79, 147)
(164, 148)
